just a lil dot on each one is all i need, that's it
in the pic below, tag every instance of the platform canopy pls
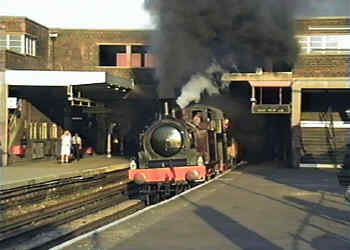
(38, 78)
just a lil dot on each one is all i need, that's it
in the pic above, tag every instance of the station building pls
(56, 79)
(48, 76)
(313, 98)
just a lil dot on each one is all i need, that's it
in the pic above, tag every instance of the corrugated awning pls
(275, 84)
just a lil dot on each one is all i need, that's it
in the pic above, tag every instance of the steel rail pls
(91, 226)
(62, 213)
(35, 193)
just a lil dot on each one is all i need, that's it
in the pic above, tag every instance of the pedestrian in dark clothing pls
(77, 146)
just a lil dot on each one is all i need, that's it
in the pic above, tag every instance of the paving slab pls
(33, 172)
(260, 207)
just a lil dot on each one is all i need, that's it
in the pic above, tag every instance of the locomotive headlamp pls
(192, 175)
(132, 164)
(140, 178)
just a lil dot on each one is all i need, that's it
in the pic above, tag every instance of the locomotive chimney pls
(166, 109)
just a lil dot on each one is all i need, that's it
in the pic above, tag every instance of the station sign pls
(271, 109)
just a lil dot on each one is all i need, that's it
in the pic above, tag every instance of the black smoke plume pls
(238, 35)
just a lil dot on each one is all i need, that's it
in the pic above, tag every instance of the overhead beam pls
(53, 78)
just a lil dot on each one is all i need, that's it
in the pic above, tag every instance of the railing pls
(327, 116)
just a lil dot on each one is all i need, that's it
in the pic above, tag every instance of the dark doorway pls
(278, 137)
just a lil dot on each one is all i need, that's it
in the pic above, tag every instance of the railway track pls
(61, 210)
(54, 212)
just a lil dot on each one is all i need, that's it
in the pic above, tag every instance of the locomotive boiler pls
(177, 152)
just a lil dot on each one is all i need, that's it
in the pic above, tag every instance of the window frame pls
(327, 44)
(27, 44)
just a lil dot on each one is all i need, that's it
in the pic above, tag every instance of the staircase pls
(324, 143)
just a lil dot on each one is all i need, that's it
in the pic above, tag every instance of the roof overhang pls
(52, 78)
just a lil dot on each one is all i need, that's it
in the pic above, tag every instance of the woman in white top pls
(66, 144)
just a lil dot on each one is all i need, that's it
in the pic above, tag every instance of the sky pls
(123, 14)
(84, 14)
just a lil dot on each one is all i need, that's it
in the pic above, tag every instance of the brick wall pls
(41, 33)
(15, 60)
(2, 60)
(22, 25)
(323, 66)
(2, 52)
(330, 65)
(13, 24)
(79, 50)
(302, 25)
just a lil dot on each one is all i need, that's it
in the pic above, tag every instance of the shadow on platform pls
(238, 234)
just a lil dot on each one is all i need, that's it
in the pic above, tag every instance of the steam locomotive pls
(178, 152)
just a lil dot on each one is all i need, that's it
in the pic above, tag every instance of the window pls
(113, 55)
(24, 44)
(53, 132)
(325, 44)
(30, 45)
(43, 131)
(316, 42)
(33, 130)
(134, 56)
(15, 43)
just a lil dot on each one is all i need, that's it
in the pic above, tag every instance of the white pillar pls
(3, 119)
(296, 106)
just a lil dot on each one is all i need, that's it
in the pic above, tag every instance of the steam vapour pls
(235, 34)
(199, 83)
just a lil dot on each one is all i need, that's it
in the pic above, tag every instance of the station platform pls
(257, 208)
(39, 171)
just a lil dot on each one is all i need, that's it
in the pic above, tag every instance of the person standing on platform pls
(77, 146)
(66, 143)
